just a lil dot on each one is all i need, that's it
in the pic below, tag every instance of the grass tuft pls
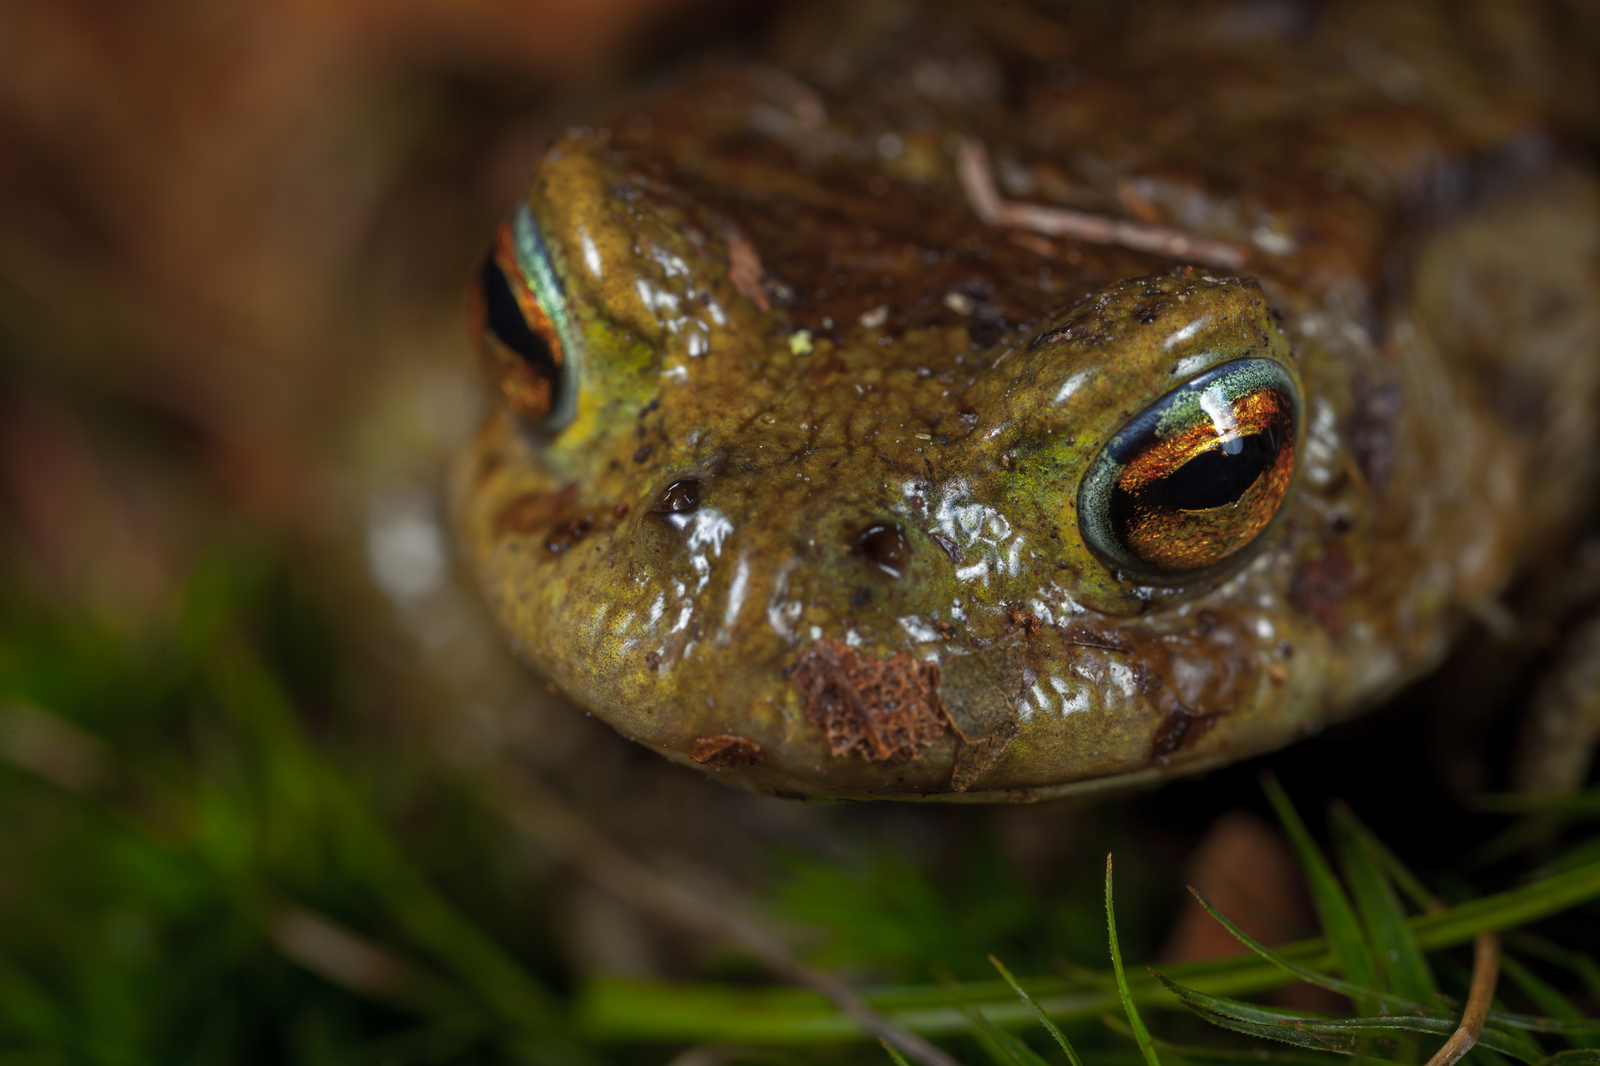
(1140, 1034)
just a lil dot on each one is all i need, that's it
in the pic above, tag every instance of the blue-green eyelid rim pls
(533, 260)
(1173, 413)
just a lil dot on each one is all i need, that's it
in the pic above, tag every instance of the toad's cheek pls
(1046, 708)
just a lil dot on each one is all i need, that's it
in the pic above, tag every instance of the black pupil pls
(507, 323)
(1211, 479)
(1214, 478)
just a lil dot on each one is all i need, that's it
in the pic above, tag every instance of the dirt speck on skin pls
(726, 749)
(884, 710)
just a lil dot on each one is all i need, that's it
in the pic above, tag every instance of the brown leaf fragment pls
(882, 709)
(979, 692)
(726, 749)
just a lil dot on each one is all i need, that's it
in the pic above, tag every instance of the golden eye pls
(518, 320)
(1196, 478)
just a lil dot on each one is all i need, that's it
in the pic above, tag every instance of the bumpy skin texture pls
(782, 292)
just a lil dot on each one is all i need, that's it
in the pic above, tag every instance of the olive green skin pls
(811, 418)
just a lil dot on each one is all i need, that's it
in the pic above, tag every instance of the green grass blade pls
(1577, 805)
(1001, 1046)
(1217, 1054)
(1038, 1011)
(1575, 1057)
(1338, 918)
(1276, 1022)
(1140, 1033)
(610, 1009)
(1340, 1045)
(1407, 882)
(1507, 910)
(1548, 999)
(1508, 1020)
(1517, 1045)
(1253, 1019)
(1237, 1009)
(1582, 852)
(1581, 966)
(1396, 948)
(1305, 973)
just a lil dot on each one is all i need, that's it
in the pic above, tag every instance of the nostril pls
(680, 497)
(884, 545)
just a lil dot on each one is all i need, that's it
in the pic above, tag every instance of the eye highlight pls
(519, 323)
(1198, 476)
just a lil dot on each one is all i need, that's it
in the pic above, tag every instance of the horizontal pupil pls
(1214, 478)
(1217, 477)
(506, 321)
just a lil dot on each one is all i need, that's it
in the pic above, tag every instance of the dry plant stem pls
(987, 203)
(537, 811)
(1485, 972)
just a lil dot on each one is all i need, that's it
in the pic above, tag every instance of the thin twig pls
(1485, 973)
(534, 809)
(972, 164)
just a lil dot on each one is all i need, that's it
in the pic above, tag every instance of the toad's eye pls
(519, 324)
(1187, 485)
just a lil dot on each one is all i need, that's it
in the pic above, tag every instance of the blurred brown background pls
(228, 217)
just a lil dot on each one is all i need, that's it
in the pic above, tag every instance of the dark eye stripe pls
(504, 318)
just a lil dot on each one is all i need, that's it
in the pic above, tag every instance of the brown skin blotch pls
(1178, 729)
(726, 749)
(1319, 588)
(532, 512)
(884, 710)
